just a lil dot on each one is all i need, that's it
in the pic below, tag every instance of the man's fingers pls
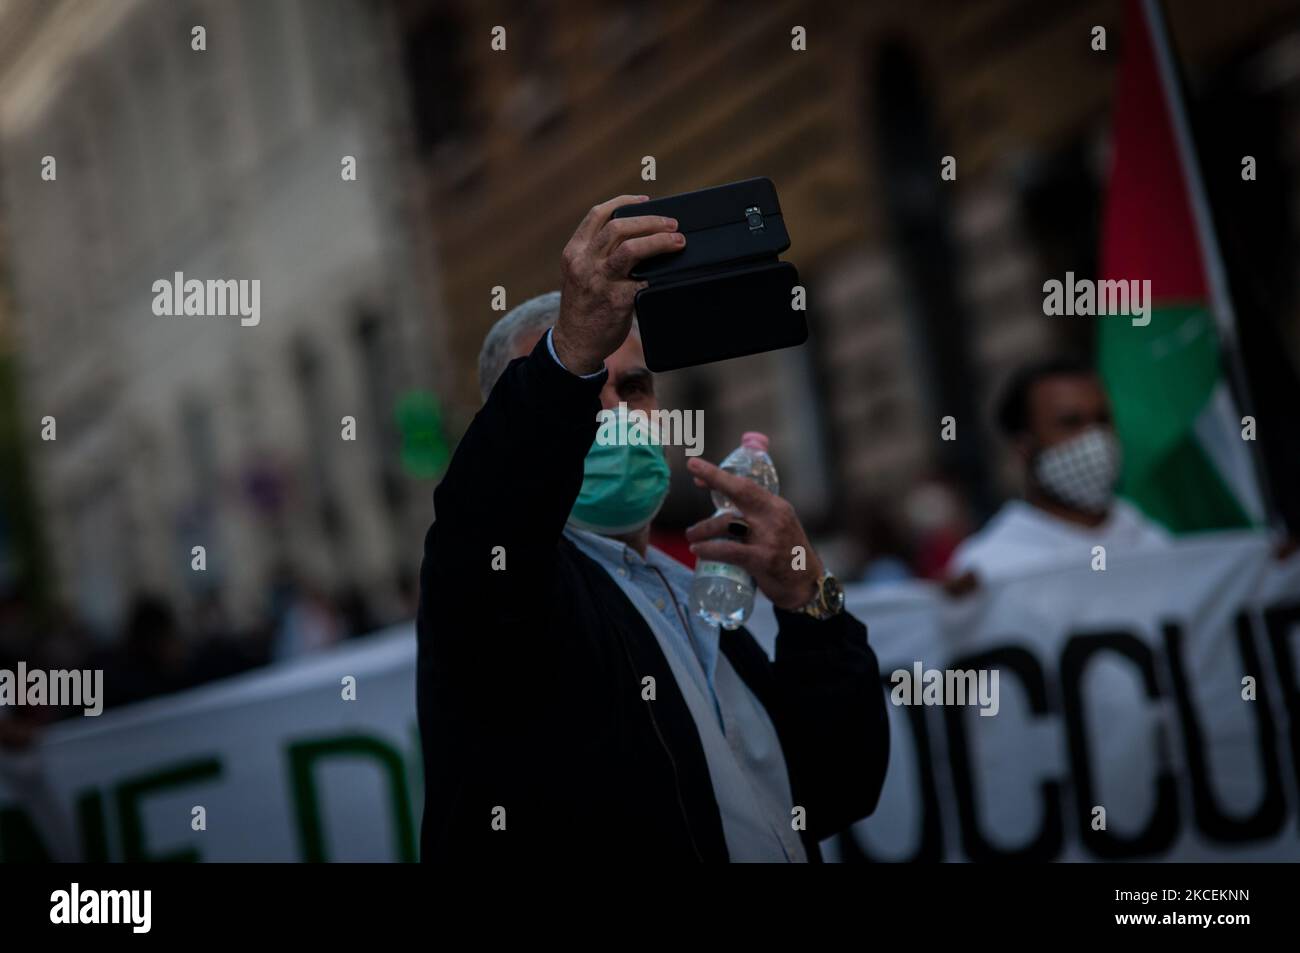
(725, 551)
(598, 215)
(618, 230)
(716, 526)
(961, 585)
(747, 494)
(620, 261)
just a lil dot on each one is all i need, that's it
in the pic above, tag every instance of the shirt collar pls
(619, 552)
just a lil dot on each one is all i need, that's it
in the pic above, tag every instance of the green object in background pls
(424, 449)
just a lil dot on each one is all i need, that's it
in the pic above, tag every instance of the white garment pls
(1021, 537)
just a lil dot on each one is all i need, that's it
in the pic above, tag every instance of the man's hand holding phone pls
(597, 294)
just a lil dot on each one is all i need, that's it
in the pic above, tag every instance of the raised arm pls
(518, 469)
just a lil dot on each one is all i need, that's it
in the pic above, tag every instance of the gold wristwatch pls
(829, 600)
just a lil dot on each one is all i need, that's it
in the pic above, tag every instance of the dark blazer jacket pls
(530, 678)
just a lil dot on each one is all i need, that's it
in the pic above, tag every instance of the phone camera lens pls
(754, 218)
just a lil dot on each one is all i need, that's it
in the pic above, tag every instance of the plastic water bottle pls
(723, 594)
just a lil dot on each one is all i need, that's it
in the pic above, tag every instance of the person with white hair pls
(570, 703)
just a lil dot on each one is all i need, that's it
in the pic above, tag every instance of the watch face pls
(832, 594)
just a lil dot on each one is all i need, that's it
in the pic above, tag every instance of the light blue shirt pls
(746, 764)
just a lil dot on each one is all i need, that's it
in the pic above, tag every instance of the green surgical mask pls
(623, 486)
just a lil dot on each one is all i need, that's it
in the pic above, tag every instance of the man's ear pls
(1023, 445)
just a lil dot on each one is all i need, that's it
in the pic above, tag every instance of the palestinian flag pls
(1185, 462)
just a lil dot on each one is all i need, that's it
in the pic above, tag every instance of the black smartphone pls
(725, 224)
(725, 294)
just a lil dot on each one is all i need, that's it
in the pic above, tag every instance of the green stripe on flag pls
(1184, 492)
(1160, 378)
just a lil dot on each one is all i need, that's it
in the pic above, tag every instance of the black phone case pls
(726, 294)
(717, 317)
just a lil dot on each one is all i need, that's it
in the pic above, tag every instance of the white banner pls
(1120, 703)
(284, 765)
(1159, 698)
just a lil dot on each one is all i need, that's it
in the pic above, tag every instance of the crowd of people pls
(159, 650)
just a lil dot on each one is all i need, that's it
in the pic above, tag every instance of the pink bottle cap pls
(754, 440)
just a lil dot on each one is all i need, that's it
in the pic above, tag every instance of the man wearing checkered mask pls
(1057, 418)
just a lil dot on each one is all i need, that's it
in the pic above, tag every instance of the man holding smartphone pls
(570, 704)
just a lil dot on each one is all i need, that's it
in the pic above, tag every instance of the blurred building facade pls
(923, 293)
(176, 432)
(22, 557)
(474, 166)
